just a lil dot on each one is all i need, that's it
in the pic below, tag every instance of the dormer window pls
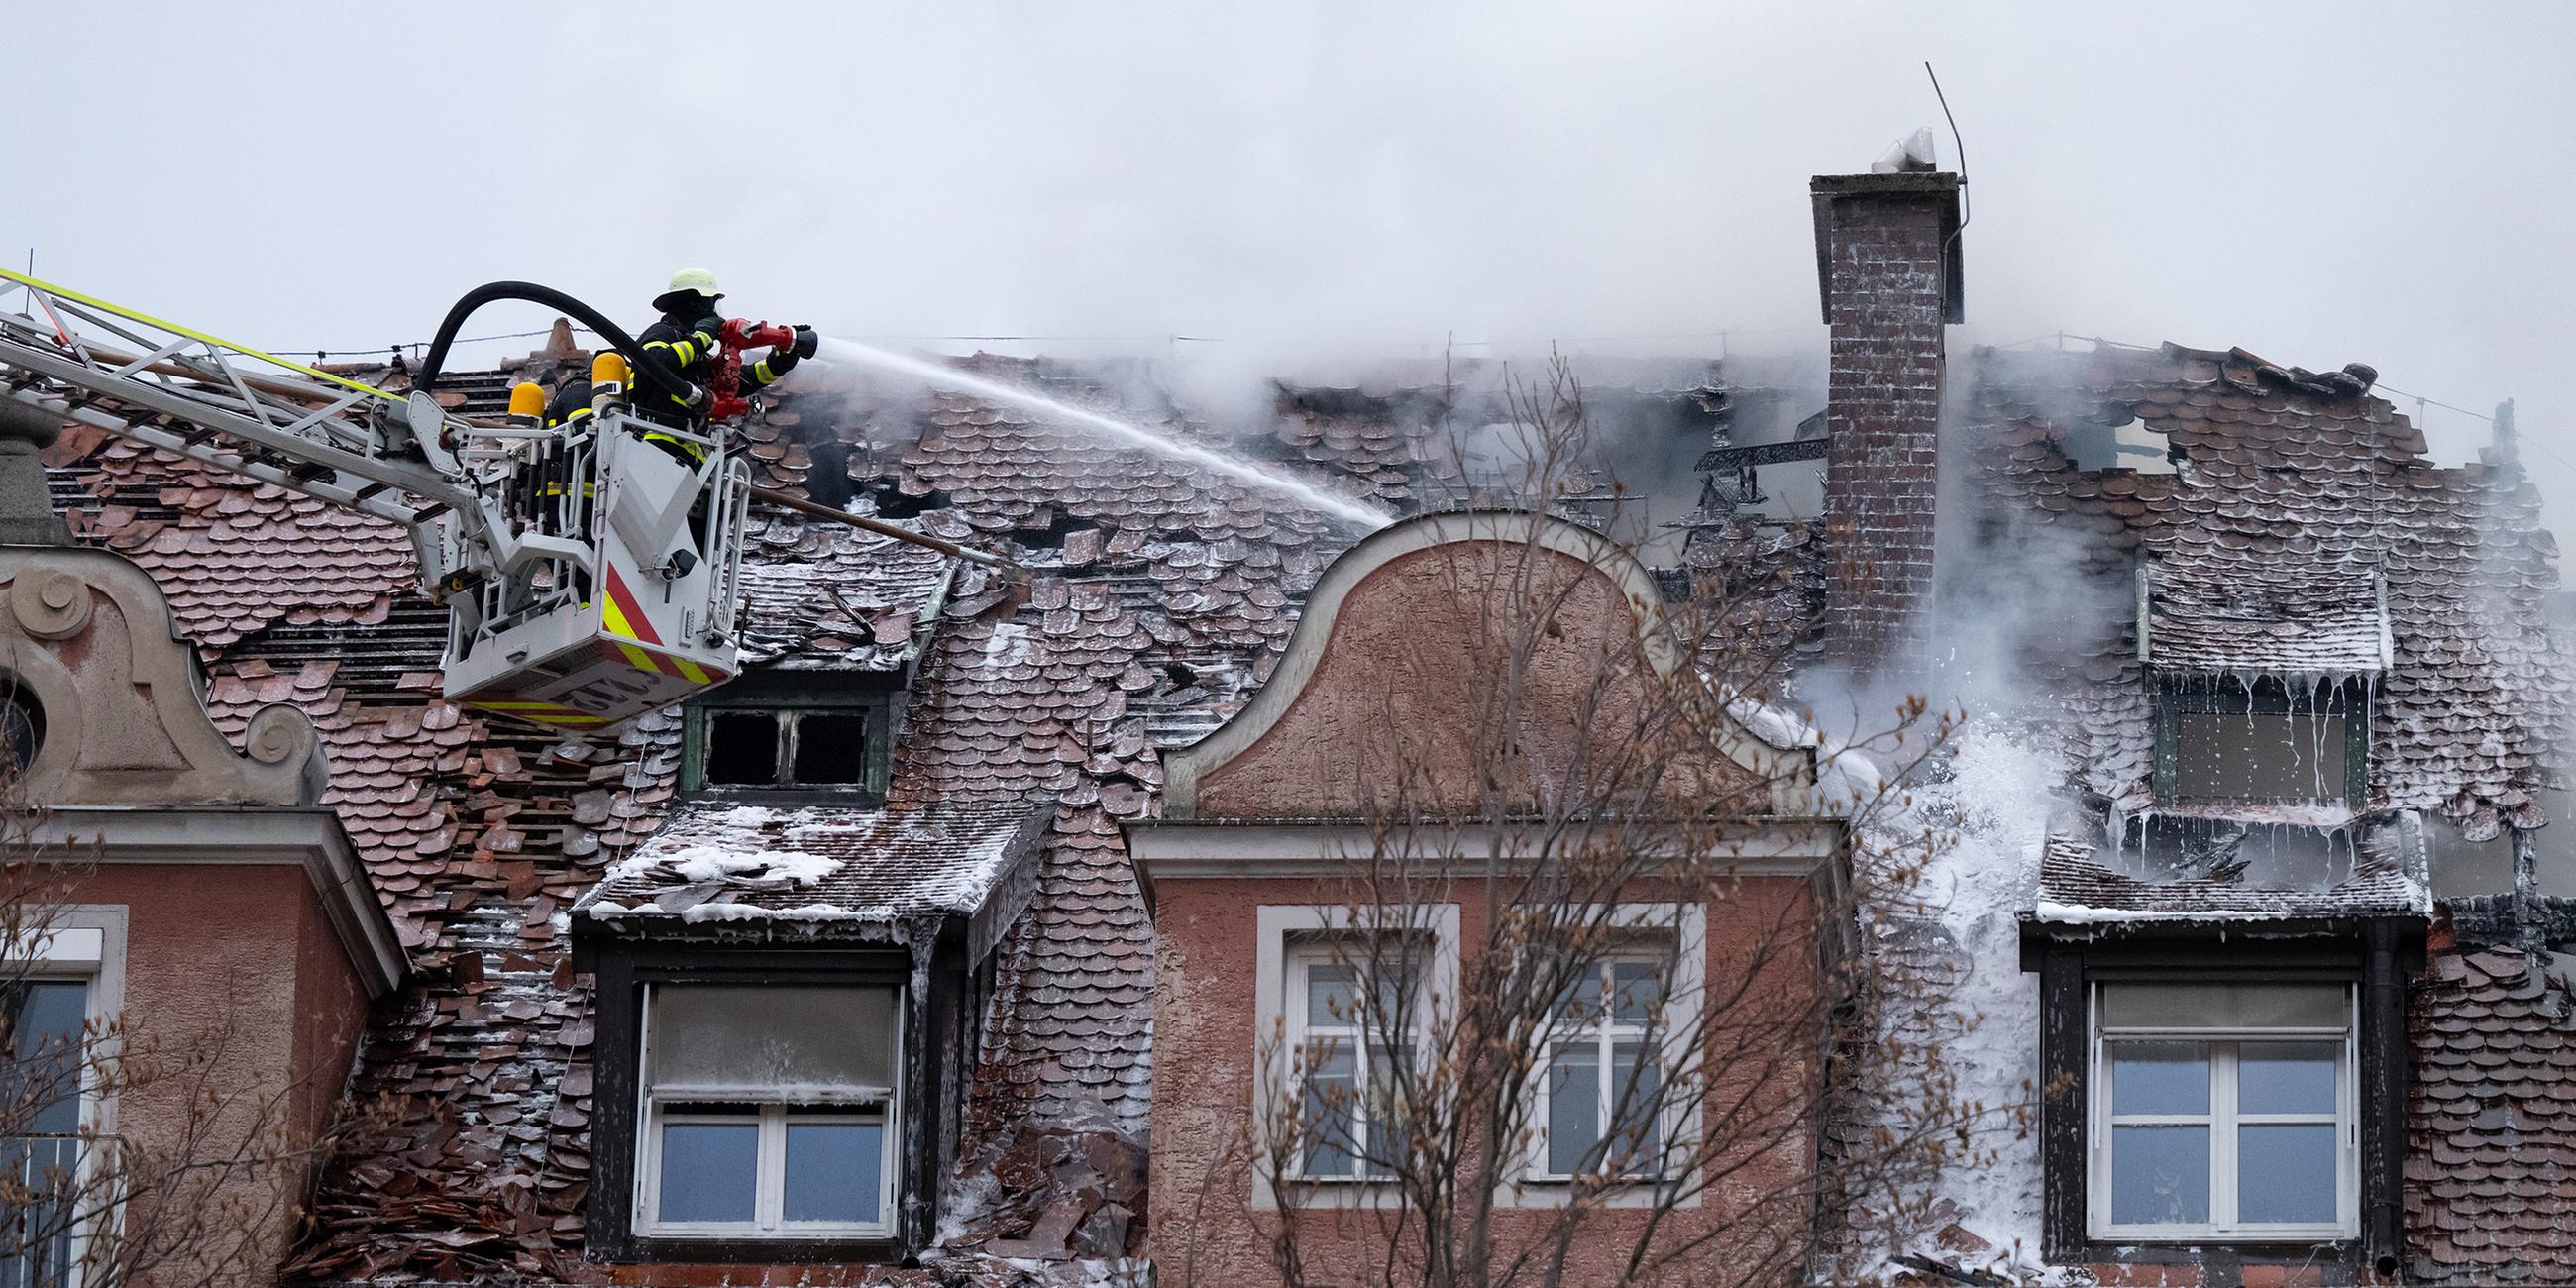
(2235, 740)
(762, 747)
(791, 732)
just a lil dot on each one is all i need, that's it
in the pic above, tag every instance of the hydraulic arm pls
(590, 575)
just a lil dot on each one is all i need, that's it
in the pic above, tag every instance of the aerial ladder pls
(590, 576)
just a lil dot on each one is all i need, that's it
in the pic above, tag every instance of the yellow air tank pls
(528, 402)
(608, 375)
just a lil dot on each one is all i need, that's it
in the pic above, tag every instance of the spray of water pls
(1215, 462)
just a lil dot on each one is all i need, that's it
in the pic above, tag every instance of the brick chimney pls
(1887, 261)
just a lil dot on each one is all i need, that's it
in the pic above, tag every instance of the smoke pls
(1298, 189)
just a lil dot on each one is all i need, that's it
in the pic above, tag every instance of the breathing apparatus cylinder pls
(527, 403)
(608, 373)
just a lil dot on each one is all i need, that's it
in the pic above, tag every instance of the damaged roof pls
(826, 597)
(2302, 531)
(2491, 1116)
(822, 864)
(2077, 889)
(1160, 602)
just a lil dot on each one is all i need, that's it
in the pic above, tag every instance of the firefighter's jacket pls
(688, 351)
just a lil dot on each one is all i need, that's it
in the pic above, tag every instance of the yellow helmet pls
(696, 282)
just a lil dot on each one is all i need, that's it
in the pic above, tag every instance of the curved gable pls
(86, 648)
(1393, 682)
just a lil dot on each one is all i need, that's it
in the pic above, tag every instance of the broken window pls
(2223, 1110)
(2225, 739)
(770, 1112)
(783, 747)
(2117, 439)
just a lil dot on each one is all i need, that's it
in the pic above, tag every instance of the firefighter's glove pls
(806, 342)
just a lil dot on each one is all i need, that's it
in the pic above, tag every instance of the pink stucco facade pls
(1446, 671)
(235, 965)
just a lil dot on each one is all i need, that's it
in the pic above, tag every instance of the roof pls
(2299, 509)
(2326, 621)
(828, 597)
(2491, 1120)
(819, 864)
(2077, 889)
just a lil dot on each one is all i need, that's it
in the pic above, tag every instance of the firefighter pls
(683, 343)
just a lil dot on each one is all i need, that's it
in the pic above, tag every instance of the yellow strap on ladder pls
(199, 336)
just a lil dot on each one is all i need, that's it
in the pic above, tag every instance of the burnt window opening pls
(2117, 439)
(785, 748)
(742, 747)
(2237, 740)
(831, 747)
(782, 743)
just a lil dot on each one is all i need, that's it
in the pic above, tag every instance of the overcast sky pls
(2322, 184)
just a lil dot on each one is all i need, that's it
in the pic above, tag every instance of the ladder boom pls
(337, 440)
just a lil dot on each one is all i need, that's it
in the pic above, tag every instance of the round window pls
(22, 730)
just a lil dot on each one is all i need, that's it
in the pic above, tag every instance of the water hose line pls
(436, 359)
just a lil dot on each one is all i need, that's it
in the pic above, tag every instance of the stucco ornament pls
(89, 646)
(49, 601)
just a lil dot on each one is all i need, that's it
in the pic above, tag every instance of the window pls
(1354, 1021)
(41, 1098)
(1601, 1100)
(785, 748)
(770, 1112)
(22, 726)
(2220, 739)
(2223, 1110)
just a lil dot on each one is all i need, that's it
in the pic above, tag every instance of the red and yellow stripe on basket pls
(625, 618)
(544, 713)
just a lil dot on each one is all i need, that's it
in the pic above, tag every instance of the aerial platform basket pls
(647, 620)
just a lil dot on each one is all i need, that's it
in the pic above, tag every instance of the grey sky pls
(2321, 184)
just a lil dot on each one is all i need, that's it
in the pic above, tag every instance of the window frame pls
(1685, 925)
(1301, 956)
(788, 723)
(1604, 1032)
(2224, 1121)
(875, 698)
(938, 1032)
(83, 943)
(2180, 693)
(2378, 956)
(770, 1111)
(1278, 929)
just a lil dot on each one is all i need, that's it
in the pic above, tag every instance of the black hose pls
(616, 336)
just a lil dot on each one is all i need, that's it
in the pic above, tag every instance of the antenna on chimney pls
(1967, 204)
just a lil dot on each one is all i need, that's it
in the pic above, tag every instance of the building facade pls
(960, 940)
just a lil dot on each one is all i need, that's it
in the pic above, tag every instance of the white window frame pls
(1685, 926)
(1353, 1035)
(2223, 1120)
(1285, 933)
(84, 942)
(770, 1110)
